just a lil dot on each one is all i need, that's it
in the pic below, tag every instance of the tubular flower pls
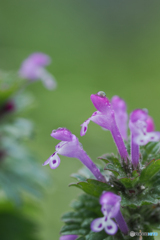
(105, 117)
(110, 203)
(142, 132)
(68, 237)
(33, 69)
(150, 124)
(71, 147)
(119, 107)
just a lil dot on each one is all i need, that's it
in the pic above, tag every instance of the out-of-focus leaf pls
(9, 84)
(21, 128)
(23, 102)
(148, 229)
(16, 227)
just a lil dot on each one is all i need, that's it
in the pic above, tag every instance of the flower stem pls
(134, 153)
(121, 223)
(119, 142)
(84, 158)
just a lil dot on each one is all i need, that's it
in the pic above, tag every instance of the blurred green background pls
(112, 46)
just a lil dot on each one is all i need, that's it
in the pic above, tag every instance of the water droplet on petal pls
(101, 94)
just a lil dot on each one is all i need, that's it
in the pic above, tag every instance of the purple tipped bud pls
(150, 124)
(118, 103)
(138, 114)
(109, 198)
(100, 101)
(62, 134)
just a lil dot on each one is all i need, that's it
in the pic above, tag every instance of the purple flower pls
(33, 69)
(110, 203)
(105, 117)
(71, 147)
(150, 124)
(119, 107)
(68, 237)
(139, 122)
(142, 132)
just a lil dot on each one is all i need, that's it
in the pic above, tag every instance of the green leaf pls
(78, 177)
(147, 228)
(150, 151)
(148, 173)
(113, 164)
(19, 227)
(73, 217)
(20, 128)
(73, 229)
(128, 182)
(87, 222)
(152, 148)
(96, 236)
(9, 84)
(93, 187)
(112, 168)
(110, 158)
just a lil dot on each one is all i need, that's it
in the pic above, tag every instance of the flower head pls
(142, 127)
(105, 117)
(110, 203)
(71, 147)
(33, 69)
(121, 115)
(68, 237)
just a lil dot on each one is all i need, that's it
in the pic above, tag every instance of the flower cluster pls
(110, 115)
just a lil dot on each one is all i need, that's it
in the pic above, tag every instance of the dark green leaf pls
(18, 227)
(73, 217)
(128, 182)
(148, 229)
(93, 187)
(148, 173)
(96, 235)
(73, 229)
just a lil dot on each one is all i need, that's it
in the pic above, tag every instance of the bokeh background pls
(112, 46)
